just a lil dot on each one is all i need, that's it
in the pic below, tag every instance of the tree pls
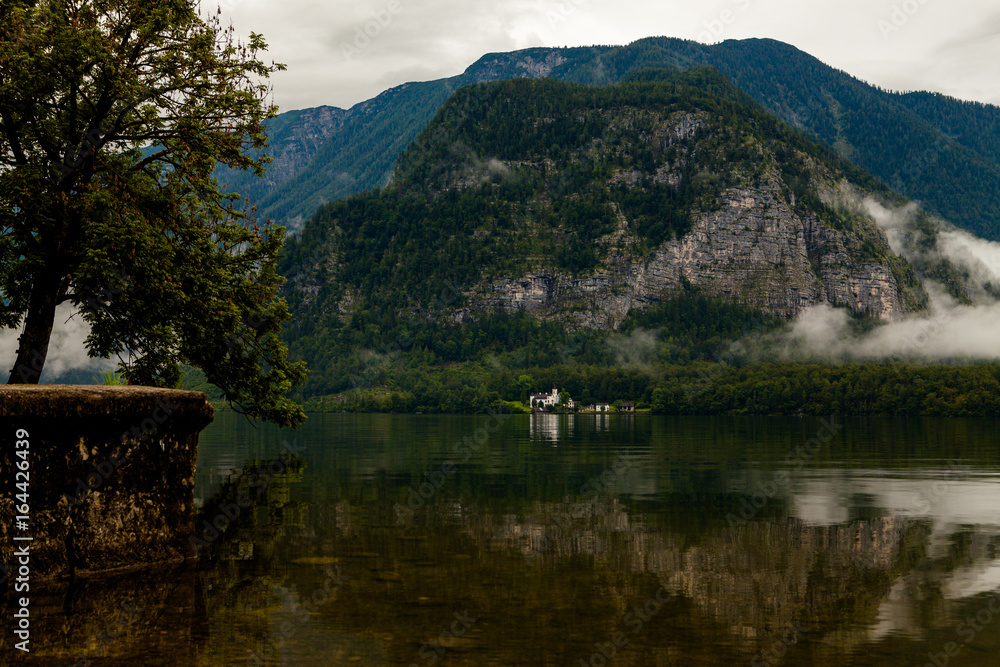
(113, 116)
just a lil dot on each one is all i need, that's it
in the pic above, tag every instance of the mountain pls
(576, 207)
(929, 147)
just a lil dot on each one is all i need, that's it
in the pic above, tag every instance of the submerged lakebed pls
(566, 540)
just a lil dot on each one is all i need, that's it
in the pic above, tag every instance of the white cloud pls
(949, 330)
(66, 347)
(951, 47)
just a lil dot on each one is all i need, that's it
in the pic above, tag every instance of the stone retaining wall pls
(111, 475)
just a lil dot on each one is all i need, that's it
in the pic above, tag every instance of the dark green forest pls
(692, 367)
(702, 388)
(389, 265)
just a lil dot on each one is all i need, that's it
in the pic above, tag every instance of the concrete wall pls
(111, 475)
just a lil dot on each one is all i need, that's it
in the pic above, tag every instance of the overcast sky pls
(950, 46)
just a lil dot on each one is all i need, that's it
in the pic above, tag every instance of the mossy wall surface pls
(111, 475)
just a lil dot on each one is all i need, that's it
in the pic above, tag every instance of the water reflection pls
(526, 554)
(546, 427)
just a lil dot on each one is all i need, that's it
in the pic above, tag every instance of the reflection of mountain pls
(961, 509)
(872, 574)
(948, 498)
(753, 580)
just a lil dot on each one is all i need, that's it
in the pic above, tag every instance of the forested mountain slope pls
(929, 147)
(579, 206)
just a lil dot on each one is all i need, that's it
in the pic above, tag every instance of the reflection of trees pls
(561, 575)
(158, 613)
(244, 564)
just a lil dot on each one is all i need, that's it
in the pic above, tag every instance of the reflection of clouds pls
(901, 612)
(952, 500)
(949, 498)
(972, 580)
(821, 504)
(897, 614)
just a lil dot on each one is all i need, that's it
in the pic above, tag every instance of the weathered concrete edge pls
(68, 401)
(117, 416)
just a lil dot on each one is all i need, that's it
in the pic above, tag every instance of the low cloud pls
(638, 348)
(948, 331)
(67, 351)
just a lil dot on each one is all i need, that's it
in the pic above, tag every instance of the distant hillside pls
(929, 147)
(541, 207)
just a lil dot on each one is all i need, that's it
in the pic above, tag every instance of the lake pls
(583, 540)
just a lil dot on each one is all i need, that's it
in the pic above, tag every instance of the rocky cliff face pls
(754, 249)
(296, 136)
(750, 242)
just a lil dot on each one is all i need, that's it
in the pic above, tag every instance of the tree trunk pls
(34, 341)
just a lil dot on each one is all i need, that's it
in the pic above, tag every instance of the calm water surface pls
(588, 540)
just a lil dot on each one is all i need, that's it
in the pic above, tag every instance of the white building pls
(544, 401)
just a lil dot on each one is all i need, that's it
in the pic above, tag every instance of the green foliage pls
(107, 200)
(693, 327)
(113, 379)
(688, 327)
(887, 389)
